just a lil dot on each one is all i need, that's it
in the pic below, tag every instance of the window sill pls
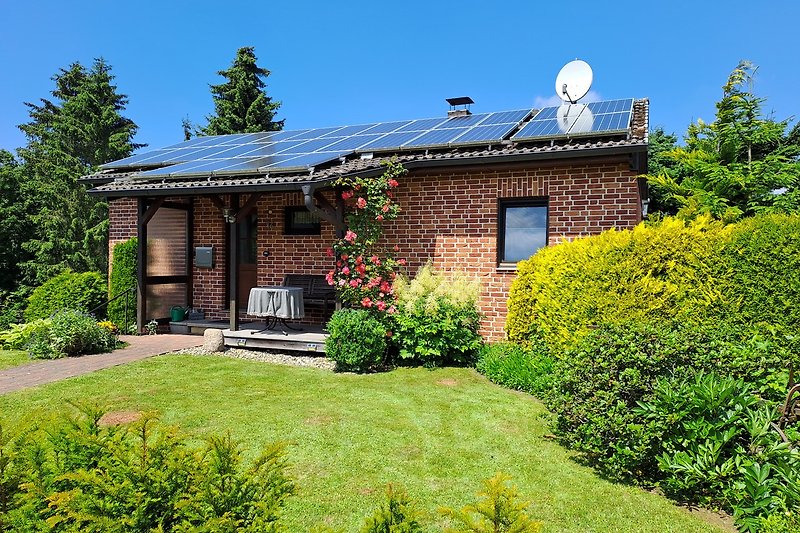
(507, 267)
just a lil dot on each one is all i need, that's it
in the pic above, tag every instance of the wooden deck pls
(310, 339)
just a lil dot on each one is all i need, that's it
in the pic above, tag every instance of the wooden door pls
(248, 257)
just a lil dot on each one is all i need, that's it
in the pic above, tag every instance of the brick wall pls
(449, 218)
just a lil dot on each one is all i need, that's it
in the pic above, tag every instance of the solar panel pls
(483, 134)
(295, 149)
(435, 137)
(390, 141)
(303, 161)
(612, 116)
(387, 127)
(195, 168)
(351, 143)
(507, 117)
(463, 121)
(424, 124)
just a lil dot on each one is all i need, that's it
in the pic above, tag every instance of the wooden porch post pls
(233, 263)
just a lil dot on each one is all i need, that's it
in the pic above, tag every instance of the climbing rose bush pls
(364, 273)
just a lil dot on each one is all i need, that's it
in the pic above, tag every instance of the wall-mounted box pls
(204, 256)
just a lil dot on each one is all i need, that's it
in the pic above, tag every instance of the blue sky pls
(337, 63)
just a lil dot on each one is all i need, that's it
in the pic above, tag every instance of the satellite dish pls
(574, 118)
(573, 81)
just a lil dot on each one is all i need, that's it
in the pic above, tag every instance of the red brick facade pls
(447, 217)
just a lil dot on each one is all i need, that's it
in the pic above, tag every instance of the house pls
(216, 216)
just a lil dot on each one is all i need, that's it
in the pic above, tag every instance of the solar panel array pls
(296, 150)
(570, 120)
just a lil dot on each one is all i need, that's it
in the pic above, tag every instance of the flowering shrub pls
(438, 320)
(365, 271)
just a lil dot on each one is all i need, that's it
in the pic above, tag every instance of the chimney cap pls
(461, 100)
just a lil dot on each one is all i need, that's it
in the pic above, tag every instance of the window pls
(522, 228)
(300, 221)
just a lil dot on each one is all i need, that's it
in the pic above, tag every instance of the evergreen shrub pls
(438, 321)
(69, 290)
(758, 270)
(694, 272)
(653, 272)
(357, 340)
(77, 474)
(123, 277)
(70, 333)
(604, 377)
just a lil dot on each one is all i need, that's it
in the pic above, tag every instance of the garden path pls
(142, 347)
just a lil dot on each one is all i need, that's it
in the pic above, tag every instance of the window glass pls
(524, 231)
(300, 221)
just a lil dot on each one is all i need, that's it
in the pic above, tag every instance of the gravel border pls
(265, 356)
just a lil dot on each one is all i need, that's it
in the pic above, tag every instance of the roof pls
(117, 183)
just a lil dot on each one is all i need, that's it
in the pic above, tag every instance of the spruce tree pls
(67, 137)
(241, 103)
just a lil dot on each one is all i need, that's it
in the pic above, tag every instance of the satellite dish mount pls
(573, 81)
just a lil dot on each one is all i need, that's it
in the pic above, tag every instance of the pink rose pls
(381, 306)
(379, 218)
(346, 270)
(385, 208)
(393, 183)
(346, 195)
(361, 203)
(354, 282)
(350, 236)
(366, 302)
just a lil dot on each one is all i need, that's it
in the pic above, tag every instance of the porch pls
(252, 335)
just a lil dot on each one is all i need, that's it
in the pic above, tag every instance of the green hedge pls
(694, 272)
(69, 290)
(357, 340)
(123, 277)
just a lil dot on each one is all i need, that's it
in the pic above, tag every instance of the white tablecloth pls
(280, 302)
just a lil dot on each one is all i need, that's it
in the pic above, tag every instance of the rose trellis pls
(365, 270)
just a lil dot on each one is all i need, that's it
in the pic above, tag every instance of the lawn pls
(437, 433)
(9, 358)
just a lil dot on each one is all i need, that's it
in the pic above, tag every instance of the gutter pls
(635, 151)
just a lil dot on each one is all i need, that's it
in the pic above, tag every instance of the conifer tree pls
(241, 104)
(67, 137)
(740, 164)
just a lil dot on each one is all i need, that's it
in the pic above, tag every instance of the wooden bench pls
(316, 290)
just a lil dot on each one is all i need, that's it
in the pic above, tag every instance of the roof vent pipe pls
(459, 101)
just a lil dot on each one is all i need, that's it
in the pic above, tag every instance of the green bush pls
(758, 271)
(69, 290)
(697, 272)
(397, 515)
(715, 445)
(67, 334)
(437, 321)
(79, 475)
(17, 336)
(519, 368)
(357, 340)
(123, 277)
(601, 380)
(499, 510)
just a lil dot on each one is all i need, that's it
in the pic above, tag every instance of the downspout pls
(308, 197)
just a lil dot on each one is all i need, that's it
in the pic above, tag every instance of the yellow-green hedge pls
(672, 269)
